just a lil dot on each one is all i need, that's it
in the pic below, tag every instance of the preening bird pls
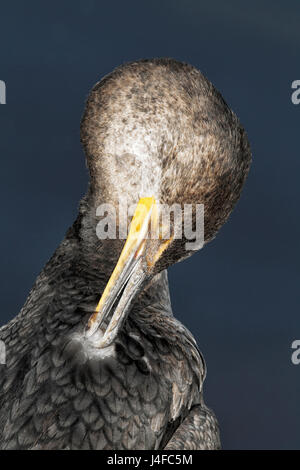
(95, 359)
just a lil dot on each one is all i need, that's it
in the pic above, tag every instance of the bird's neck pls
(96, 259)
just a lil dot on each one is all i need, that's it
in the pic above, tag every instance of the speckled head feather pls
(159, 127)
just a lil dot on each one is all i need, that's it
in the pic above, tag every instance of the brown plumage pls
(151, 128)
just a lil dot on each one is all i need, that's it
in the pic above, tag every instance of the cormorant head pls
(159, 139)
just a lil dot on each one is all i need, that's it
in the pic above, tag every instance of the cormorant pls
(123, 373)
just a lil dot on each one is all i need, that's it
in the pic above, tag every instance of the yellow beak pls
(132, 271)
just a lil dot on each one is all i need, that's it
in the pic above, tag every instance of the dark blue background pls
(240, 295)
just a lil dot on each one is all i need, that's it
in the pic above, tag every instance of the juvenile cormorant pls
(122, 372)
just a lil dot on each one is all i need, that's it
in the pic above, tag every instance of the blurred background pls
(240, 295)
